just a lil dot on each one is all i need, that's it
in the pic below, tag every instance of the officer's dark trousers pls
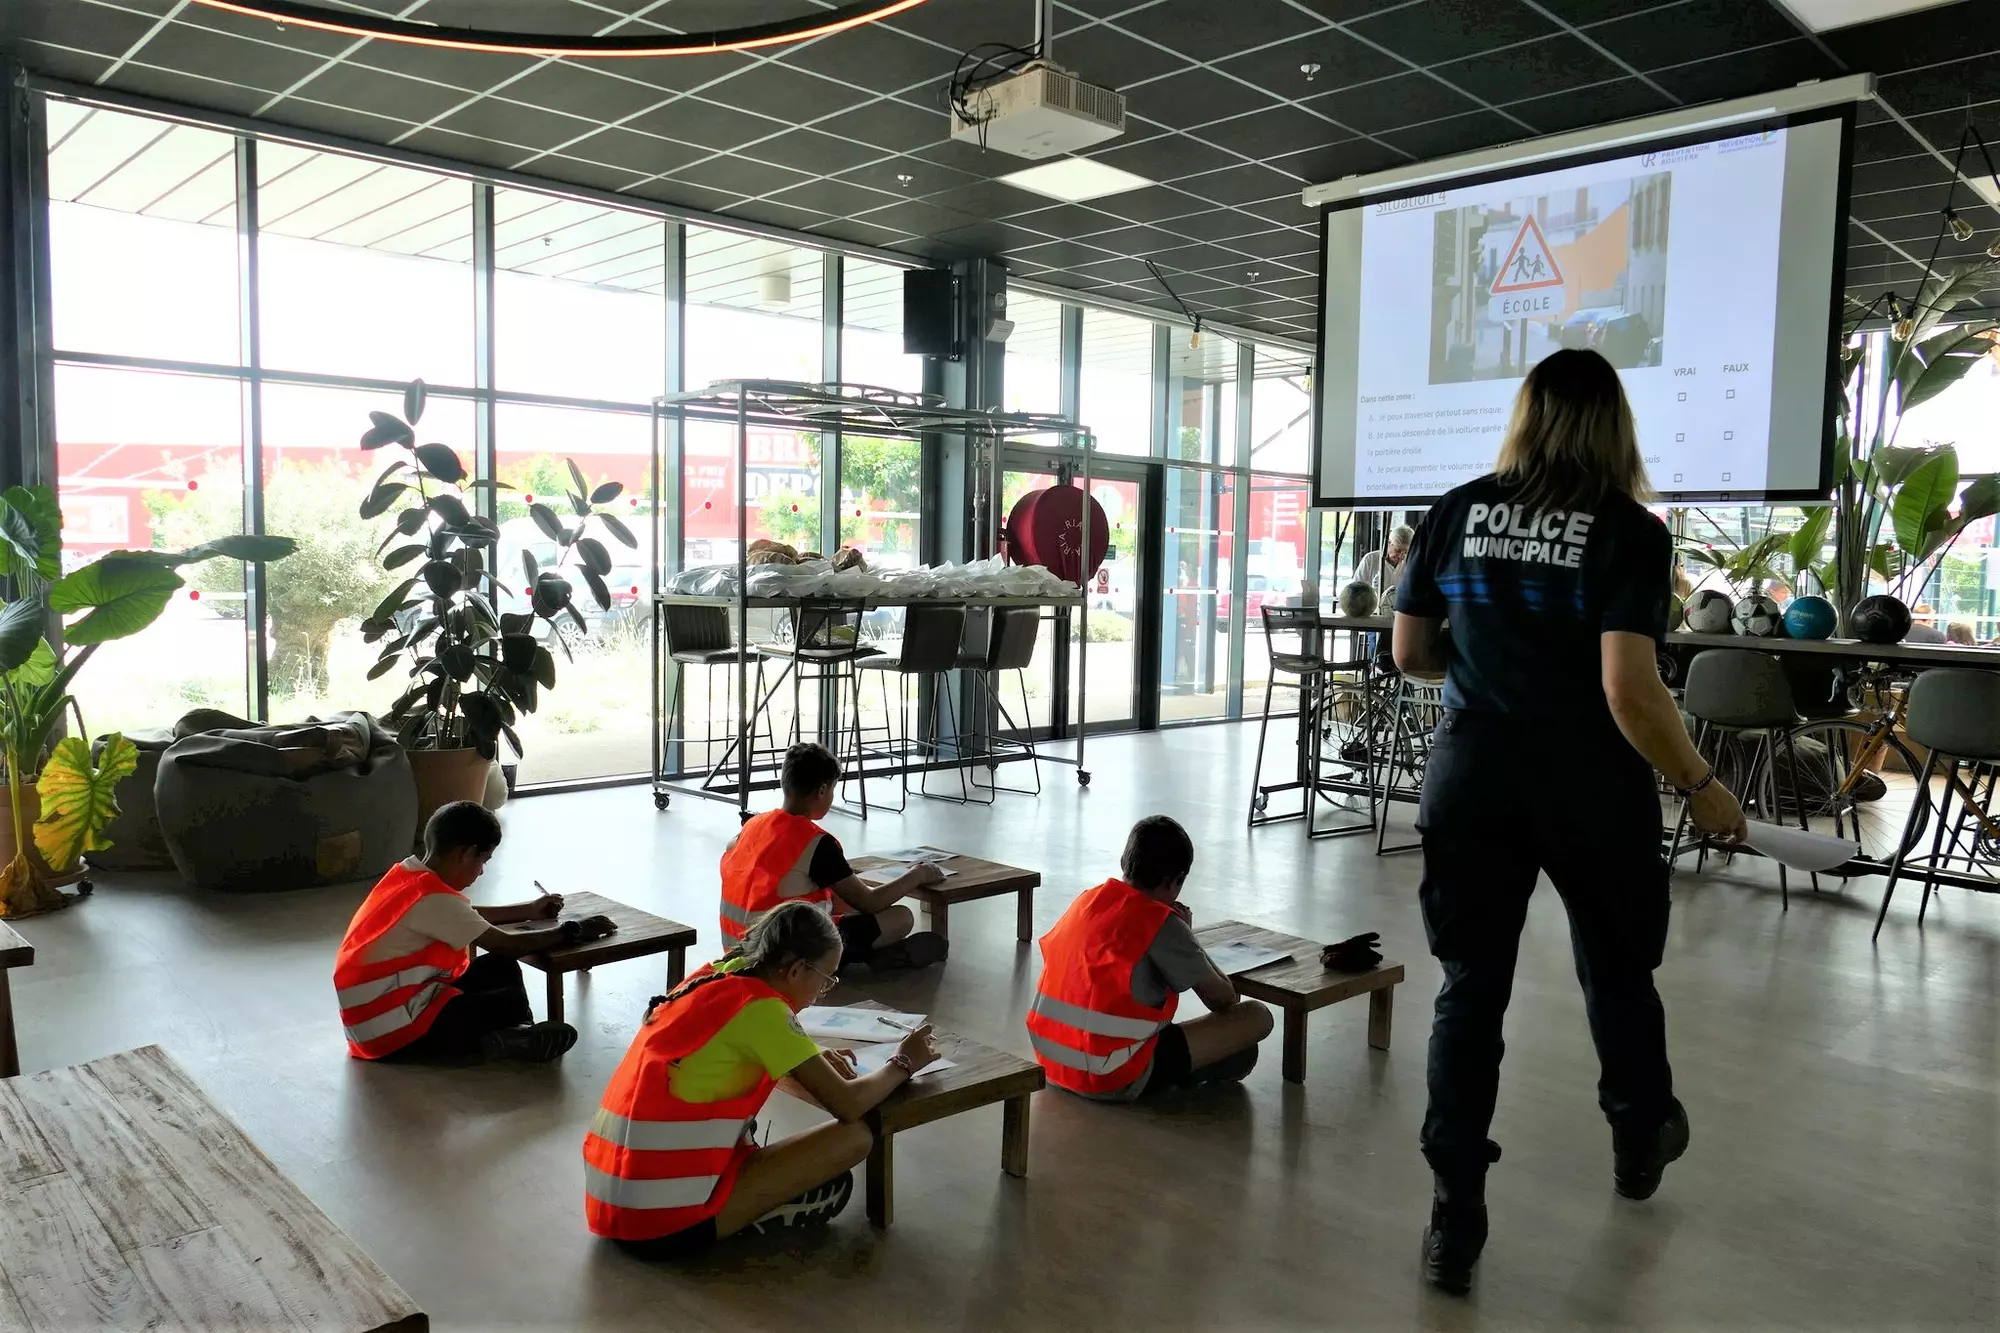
(1506, 797)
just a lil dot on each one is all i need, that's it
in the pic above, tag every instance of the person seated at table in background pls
(1960, 633)
(409, 987)
(1923, 625)
(671, 1162)
(1384, 568)
(1112, 972)
(784, 856)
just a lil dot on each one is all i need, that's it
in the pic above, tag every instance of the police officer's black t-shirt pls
(1528, 593)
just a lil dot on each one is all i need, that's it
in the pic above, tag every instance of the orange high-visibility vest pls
(1088, 1032)
(652, 1163)
(387, 1005)
(753, 871)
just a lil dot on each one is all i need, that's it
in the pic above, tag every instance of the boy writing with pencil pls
(1112, 971)
(783, 855)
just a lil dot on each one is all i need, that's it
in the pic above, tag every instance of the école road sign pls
(1529, 283)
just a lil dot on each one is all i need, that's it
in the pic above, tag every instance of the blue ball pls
(1810, 618)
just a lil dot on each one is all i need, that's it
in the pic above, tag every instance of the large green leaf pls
(1924, 495)
(1805, 544)
(1980, 498)
(441, 462)
(38, 670)
(595, 558)
(451, 509)
(122, 595)
(1948, 357)
(619, 530)
(608, 492)
(545, 519)
(20, 631)
(598, 590)
(1892, 464)
(79, 798)
(257, 549)
(379, 499)
(30, 532)
(413, 401)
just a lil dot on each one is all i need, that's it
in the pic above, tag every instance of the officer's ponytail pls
(791, 933)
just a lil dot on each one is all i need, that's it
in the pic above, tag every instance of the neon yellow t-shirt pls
(763, 1038)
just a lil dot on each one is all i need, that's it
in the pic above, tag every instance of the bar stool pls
(1954, 713)
(1292, 645)
(1010, 646)
(929, 652)
(825, 648)
(699, 636)
(1740, 698)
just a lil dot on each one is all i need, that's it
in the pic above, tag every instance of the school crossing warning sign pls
(1529, 282)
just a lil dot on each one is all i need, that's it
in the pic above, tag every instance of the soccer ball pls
(1358, 599)
(1880, 619)
(1708, 611)
(1758, 617)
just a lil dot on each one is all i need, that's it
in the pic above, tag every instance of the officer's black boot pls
(1639, 1160)
(1457, 1232)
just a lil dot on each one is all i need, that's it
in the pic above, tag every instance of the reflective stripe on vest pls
(403, 1015)
(361, 993)
(653, 1163)
(1088, 1032)
(755, 867)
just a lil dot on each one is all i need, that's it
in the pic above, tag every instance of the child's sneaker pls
(538, 1044)
(815, 1208)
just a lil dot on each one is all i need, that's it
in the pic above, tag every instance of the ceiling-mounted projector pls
(1039, 110)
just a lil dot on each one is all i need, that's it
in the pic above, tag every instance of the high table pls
(753, 775)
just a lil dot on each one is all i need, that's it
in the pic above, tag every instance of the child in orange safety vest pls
(407, 982)
(671, 1162)
(784, 856)
(1101, 1022)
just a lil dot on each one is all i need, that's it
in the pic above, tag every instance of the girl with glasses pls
(671, 1162)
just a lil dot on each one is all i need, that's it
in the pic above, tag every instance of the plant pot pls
(444, 776)
(40, 893)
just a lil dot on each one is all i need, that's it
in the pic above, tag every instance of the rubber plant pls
(113, 597)
(472, 670)
(1911, 491)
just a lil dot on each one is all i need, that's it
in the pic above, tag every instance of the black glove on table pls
(1358, 954)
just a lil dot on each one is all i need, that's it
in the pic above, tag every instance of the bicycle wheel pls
(1870, 806)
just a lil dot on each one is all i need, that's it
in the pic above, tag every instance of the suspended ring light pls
(349, 23)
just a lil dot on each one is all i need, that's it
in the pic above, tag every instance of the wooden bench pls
(129, 1200)
(1301, 985)
(639, 935)
(980, 1077)
(14, 952)
(972, 879)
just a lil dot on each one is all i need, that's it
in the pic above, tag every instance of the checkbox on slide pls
(1681, 397)
(1729, 435)
(1680, 437)
(1725, 476)
(1730, 394)
(1677, 476)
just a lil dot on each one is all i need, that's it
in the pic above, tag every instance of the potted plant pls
(472, 669)
(1878, 482)
(58, 791)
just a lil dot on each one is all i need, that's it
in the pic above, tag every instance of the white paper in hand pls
(868, 1059)
(1798, 848)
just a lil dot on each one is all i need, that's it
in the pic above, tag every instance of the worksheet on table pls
(834, 1023)
(1236, 957)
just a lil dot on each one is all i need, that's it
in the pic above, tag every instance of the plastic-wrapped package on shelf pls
(817, 578)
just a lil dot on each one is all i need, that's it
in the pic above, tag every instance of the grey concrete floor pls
(1845, 1099)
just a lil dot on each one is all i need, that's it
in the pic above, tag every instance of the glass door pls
(1112, 686)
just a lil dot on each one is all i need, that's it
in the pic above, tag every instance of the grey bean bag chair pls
(265, 808)
(136, 841)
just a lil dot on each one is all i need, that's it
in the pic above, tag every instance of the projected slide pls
(1702, 271)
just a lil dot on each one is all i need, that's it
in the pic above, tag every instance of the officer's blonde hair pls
(1572, 440)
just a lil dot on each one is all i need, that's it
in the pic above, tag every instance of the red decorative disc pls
(1046, 528)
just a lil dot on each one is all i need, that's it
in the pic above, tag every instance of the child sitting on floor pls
(671, 1162)
(408, 984)
(784, 856)
(1112, 970)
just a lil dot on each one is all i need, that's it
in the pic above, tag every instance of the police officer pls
(1556, 582)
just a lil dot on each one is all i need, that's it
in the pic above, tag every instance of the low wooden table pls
(981, 1076)
(128, 1199)
(639, 934)
(972, 879)
(14, 952)
(1300, 986)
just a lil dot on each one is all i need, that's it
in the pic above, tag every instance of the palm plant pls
(1908, 490)
(112, 597)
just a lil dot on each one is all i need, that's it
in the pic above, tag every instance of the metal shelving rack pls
(832, 409)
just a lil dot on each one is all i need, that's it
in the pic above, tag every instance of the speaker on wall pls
(930, 313)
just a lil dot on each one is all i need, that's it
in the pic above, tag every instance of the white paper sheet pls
(909, 854)
(869, 1058)
(880, 875)
(1237, 958)
(827, 1023)
(1798, 848)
